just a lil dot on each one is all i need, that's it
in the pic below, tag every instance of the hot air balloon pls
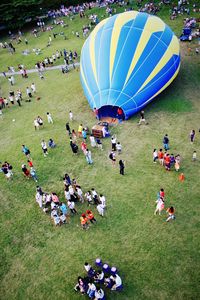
(127, 60)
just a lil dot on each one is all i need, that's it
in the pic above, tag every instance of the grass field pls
(156, 260)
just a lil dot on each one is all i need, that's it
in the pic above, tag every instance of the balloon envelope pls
(127, 60)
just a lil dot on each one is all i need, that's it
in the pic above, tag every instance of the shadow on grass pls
(172, 99)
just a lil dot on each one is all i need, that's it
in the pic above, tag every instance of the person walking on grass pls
(88, 156)
(44, 148)
(192, 136)
(68, 128)
(33, 88)
(49, 118)
(26, 151)
(121, 167)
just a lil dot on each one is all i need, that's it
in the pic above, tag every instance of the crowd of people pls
(105, 276)
(60, 211)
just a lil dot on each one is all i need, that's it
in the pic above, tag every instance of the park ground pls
(156, 260)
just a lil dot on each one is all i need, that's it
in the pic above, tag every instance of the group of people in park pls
(160, 206)
(93, 282)
(60, 211)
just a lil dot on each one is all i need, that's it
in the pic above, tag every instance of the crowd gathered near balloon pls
(87, 207)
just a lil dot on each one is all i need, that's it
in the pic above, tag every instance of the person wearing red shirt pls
(30, 163)
(90, 216)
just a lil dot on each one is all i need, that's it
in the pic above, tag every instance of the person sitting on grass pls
(171, 215)
(99, 276)
(117, 282)
(99, 294)
(90, 271)
(81, 286)
(51, 143)
(91, 289)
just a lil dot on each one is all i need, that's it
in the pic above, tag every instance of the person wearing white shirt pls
(118, 282)
(49, 118)
(80, 194)
(33, 87)
(36, 124)
(44, 148)
(91, 290)
(71, 115)
(99, 294)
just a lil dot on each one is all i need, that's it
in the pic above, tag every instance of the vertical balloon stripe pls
(120, 21)
(104, 58)
(149, 26)
(165, 58)
(168, 66)
(86, 87)
(156, 86)
(87, 69)
(92, 47)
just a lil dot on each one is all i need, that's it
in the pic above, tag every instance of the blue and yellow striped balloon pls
(128, 60)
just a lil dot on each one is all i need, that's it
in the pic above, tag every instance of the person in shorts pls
(44, 148)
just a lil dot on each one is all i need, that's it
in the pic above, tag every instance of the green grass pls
(156, 260)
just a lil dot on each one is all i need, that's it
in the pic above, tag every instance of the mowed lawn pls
(156, 260)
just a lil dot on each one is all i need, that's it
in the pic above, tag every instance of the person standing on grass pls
(194, 156)
(142, 118)
(113, 142)
(192, 136)
(28, 92)
(155, 155)
(90, 216)
(160, 206)
(80, 129)
(68, 128)
(49, 118)
(166, 142)
(88, 156)
(73, 146)
(121, 167)
(44, 148)
(119, 148)
(161, 156)
(33, 88)
(33, 174)
(71, 206)
(25, 171)
(84, 222)
(74, 136)
(36, 124)
(112, 157)
(71, 117)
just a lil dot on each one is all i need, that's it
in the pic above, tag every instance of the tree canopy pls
(15, 13)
